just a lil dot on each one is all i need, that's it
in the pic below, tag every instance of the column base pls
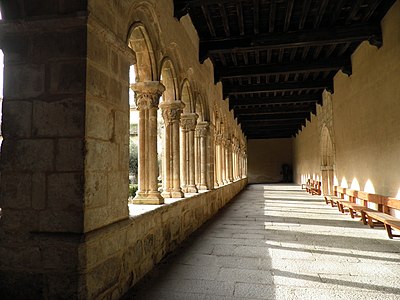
(177, 194)
(153, 198)
(202, 187)
(191, 189)
(166, 194)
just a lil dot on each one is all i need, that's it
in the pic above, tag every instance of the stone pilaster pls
(171, 112)
(147, 96)
(188, 124)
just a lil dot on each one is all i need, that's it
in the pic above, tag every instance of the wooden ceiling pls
(276, 57)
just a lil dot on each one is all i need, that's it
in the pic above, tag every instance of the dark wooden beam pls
(272, 14)
(281, 116)
(292, 128)
(208, 20)
(256, 15)
(321, 13)
(354, 10)
(277, 87)
(336, 12)
(276, 135)
(315, 37)
(283, 69)
(304, 13)
(372, 6)
(288, 15)
(239, 11)
(306, 98)
(270, 111)
(224, 17)
(258, 123)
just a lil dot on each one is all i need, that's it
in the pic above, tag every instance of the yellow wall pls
(366, 114)
(265, 159)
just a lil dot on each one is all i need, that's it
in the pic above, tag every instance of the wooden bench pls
(372, 217)
(383, 216)
(313, 187)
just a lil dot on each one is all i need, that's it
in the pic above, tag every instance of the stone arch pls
(327, 161)
(139, 41)
(169, 79)
(187, 97)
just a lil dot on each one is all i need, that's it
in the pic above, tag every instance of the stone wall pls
(365, 111)
(117, 256)
(266, 157)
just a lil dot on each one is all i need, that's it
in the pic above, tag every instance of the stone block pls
(95, 189)
(97, 82)
(28, 155)
(101, 155)
(121, 132)
(68, 77)
(98, 50)
(69, 155)
(21, 257)
(66, 44)
(21, 285)
(103, 277)
(16, 190)
(16, 48)
(118, 188)
(38, 191)
(17, 119)
(63, 286)
(115, 93)
(17, 223)
(24, 81)
(114, 63)
(70, 6)
(65, 191)
(99, 121)
(61, 221)
(60, 256)
(63, 118)
(40, 7)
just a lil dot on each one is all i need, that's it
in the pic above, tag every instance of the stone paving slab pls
(278, 242)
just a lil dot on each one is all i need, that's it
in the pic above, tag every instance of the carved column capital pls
(189, 121)
(202, 129)
(147, 94)
(171, 111)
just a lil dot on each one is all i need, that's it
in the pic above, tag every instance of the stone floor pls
(277, 242)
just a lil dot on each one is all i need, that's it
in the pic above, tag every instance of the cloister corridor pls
(278, 242)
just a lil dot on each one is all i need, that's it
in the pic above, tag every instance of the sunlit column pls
(171, 112)
(188, 123)
(230, 161)
(147, 96)
(202, 128)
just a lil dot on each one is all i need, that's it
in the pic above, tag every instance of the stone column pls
(171, 112)
(220, 160)
(147, 96)
(230, 161)
(202, 129)
(225, 161)
(188, 123)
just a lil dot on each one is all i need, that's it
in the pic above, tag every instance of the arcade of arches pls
(67, 230)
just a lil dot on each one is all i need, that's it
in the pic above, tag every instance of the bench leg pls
(370, 222)
(389, 231)
(332, 203)
(351, 211)
(364, 218)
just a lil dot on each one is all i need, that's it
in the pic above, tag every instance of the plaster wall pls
(306, 153)
(366, 108)
(266, 157)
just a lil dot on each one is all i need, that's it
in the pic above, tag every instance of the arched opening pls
(147, 92)
(327, 163)
(187, 140)
(133, 137)
(169, 116)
